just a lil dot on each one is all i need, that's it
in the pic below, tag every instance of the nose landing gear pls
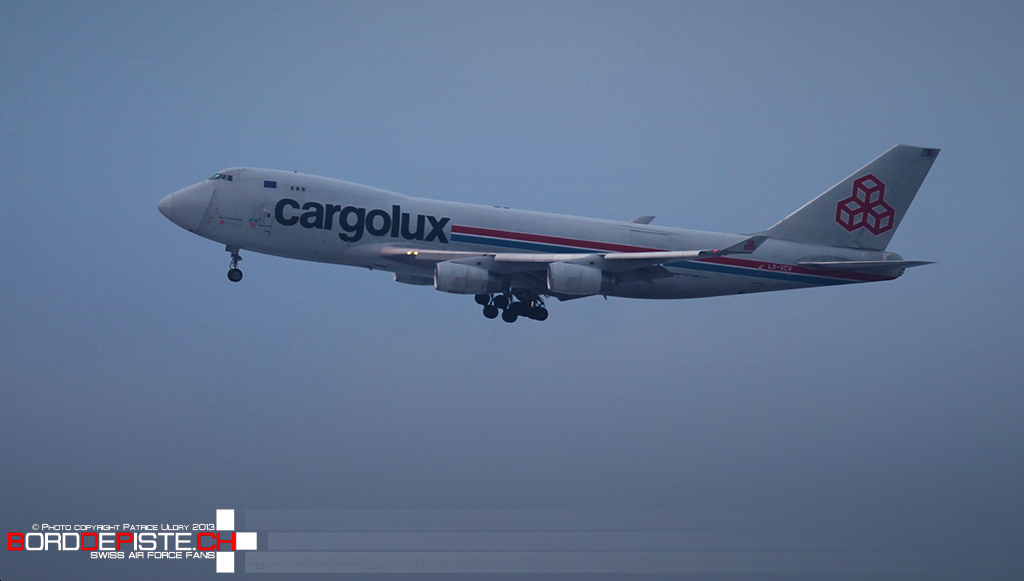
(234, 274)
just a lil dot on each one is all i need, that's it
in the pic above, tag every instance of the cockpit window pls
(222, 176)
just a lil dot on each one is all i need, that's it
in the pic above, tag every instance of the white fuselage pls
(326, 220)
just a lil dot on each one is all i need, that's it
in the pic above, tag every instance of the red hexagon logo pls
(866, 207)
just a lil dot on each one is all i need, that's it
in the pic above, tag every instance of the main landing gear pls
(511, 309)
(234, 274)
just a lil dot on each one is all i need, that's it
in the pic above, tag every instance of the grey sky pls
(138, 383)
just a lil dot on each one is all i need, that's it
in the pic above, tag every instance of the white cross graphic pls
(242, 541)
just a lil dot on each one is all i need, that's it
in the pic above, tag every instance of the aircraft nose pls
(187, 207)
(165, 205)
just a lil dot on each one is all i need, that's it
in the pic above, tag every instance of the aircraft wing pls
(611, 261)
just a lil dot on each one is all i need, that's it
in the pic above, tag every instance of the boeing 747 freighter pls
(510, 260)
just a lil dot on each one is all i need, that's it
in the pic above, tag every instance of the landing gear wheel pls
(234, 275)
(509, 316)
(501, 301)
(482, 299)
(490, 311)
(518, 308)
(538, 313)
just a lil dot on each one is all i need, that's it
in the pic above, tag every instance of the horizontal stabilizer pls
(865, 265)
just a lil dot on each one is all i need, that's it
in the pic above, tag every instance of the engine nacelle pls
(413, 279)
(465, 279)
(577, 279)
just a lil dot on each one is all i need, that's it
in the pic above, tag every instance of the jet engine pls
(576, 279)
(465, 279)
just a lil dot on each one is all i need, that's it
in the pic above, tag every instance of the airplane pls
(511, 260)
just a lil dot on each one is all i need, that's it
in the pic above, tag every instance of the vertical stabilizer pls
(864, 210)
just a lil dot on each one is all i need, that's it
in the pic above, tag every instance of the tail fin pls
(864, 210)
